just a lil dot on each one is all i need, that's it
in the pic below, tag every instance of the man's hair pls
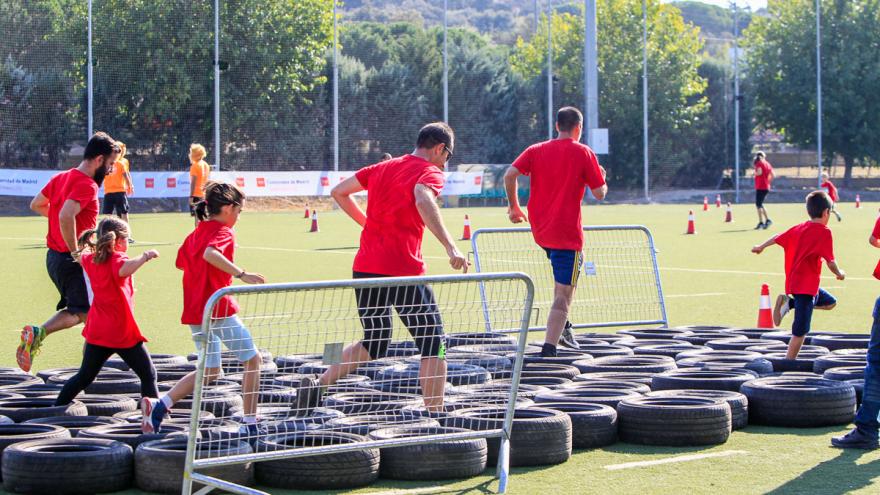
(760, 154)
(435, 133)
(817, 203)
(567, 118)
(101, 144)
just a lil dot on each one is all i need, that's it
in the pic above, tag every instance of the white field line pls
(670, 460)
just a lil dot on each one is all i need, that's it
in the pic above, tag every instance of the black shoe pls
(567, 337)
(308, 397)
(856, 439)
(767, 224)
(548, 350)
(759, 226)
(131, 240)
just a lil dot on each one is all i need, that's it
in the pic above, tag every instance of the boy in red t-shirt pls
(111, 327)
(805, 245)
(832, 193)
(763, 182)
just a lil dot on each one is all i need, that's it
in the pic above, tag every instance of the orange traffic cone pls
(765, 314)
(858, 201)
(466, 235)
(307, 215)
(691, 227)
(717, 201)
(314, 222)
(705, 203)
(728, 218)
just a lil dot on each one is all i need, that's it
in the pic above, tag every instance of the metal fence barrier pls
(619, 284)
(312, 328)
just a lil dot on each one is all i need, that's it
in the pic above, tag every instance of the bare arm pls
(430, 213)
(761, 247)
(216, 259)
(128, 181)
(129, 267)
(514, 211)
(342, 195)
(67, 222)
(832, 265)
(192, 186)
(40, 205)
(600, 192)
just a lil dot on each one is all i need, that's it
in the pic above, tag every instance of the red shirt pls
(78, 187)
(832, 190)
(560, 171)
(805, 245)
(762, 182)
(391, 242)
(876, 232)
(200, 278)
(111, 320)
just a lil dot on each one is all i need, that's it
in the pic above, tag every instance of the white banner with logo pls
(19, 182)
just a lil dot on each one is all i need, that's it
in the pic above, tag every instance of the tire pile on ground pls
(684, 386)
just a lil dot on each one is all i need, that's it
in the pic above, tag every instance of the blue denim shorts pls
(232, 333)
(566, 265)
(803, 310)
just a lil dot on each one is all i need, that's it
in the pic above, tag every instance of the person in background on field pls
(561, 170)
(199, 173)
(403, 201)
(386, 157)
(70, 202)
(117, 186)
(763, 182)
(832, 193)
(206, 258)
(805, 246)
(111, 327)
(864, 435)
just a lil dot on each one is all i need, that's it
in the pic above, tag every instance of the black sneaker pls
(131, 240)
(767, 224)
(548, 350)
(308, 397)
(567, 337)
(856, 439)
(759, 226)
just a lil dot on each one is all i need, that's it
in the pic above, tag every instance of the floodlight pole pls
(445, 64)
(736, 97)
(819, 90)
(549, 69)
(645, 94)
(335, 89)
(90, 83)
(591, 72)
(216, 84)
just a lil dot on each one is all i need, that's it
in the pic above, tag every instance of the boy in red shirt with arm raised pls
(805, 246)
(560, 169)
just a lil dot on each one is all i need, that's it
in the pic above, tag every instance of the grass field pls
(710, 278)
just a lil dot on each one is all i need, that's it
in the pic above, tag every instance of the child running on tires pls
(110, 327)
(805, 246)
(206, 260)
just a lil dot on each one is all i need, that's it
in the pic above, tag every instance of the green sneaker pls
(31, 338)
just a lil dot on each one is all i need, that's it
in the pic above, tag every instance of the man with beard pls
(70, 202)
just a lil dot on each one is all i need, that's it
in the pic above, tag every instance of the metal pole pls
(736, 99)
(335, 90)
(445, 65)
(591, 70)
(216, 84)
(645, 93)
(90, 83)
(819, 90)
(549, 69)
(537, 17)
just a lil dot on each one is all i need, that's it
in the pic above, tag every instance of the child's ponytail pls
(86, 242)
(218, 195)
(102, 240)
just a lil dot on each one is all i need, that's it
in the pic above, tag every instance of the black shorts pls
(760, 196)
(417, 308)
(192, 205)
(70, 282)
(115, 201)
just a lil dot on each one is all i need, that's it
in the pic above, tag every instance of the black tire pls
(128, 433)
(653, 333)
(674, 421)
(797, 402)
(563, 356)
(830, 361)
(485, 399)
(700, 337)
(158, 465)
(175, 413)
(845, 374)
(174, 372)
(18, 379)
(632, 344)
(456, 373)
(15, 433)
(592, 425)
(782, 347)
(736, 344)
(10, 395)
(478, 338)
(695, 379)
(709, 352)
(4, 420)
(669, 350)
(36, 390)
(600, 350)
(67, 466)
(539, 437)
(637, 387)
(848, 341)
(442, 460)
(759, 365)
(804, 362)
(363, 425)
(489, 362)
(739, 404)
(364, 402)
(107, 405)
(779, 336)
(75, 424)
(541, 370)
(607, 397)
(859, 385)
(50, 372)
(20, 410)
(643, 364)
(544, 381)
(350, 469)
(608, 338)
(705, 328)
(288, 364)
(220, 403)
(752, 333)
(109, 382)
(525, 391)
(615, 376)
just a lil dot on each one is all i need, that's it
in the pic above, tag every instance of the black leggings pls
(94, 357)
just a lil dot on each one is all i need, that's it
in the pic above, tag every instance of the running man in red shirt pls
(70, 202)
(763, 182)
(805, 246)
(832, 193)
(402, 202)
(560, 169)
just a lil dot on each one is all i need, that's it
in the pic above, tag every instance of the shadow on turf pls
(801, 432)
(736, 231)
(835, 476)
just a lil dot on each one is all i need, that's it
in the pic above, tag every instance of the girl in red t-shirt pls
(111, 327)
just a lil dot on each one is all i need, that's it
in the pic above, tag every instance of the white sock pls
(784, 309)
(249, 420)
(166, 399)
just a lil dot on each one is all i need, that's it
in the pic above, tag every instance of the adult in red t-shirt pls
(402, 202)
(805, 246)
(70, 202)
(560, 171)
(832, 193)
(763, 181)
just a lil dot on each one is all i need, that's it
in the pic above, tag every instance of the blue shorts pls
(232, 333)
(803, 310)
(566, 265)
